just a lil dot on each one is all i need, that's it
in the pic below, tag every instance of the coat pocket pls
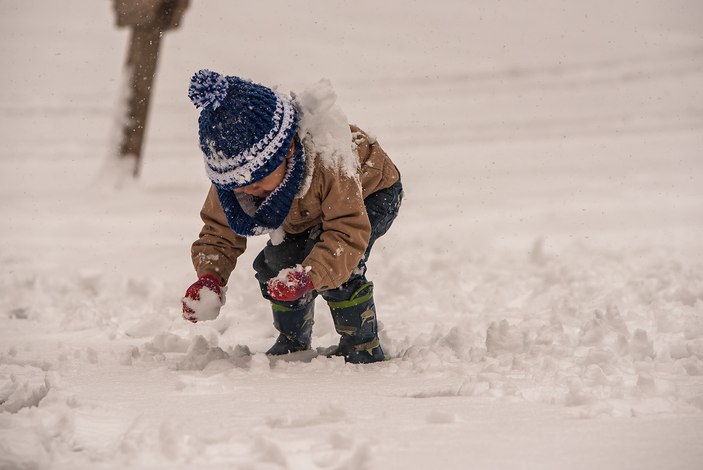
(303, 213)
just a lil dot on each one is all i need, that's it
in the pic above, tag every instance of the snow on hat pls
(245, 128)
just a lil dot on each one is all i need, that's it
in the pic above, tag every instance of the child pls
(323, 207)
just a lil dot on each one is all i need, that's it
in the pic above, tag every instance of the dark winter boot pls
(295, 326)
(355, 320)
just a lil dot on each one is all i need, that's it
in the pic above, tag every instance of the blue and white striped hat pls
(246, 129)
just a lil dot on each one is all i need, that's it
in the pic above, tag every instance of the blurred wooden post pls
(148, 19)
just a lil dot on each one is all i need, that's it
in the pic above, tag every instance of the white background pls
(541, 292)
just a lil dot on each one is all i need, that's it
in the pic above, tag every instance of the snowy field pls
(541, 293)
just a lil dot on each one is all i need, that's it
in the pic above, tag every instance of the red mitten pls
(203, 299)
(290, 284)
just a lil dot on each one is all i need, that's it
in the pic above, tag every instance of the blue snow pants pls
(382, 208)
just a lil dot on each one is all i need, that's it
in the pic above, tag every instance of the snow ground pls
(541, 293)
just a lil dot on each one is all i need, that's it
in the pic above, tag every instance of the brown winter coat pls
(332, 201)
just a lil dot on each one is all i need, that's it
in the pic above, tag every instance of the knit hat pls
(246, 129)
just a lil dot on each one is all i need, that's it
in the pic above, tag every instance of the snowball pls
(208, 307)
(283, 273)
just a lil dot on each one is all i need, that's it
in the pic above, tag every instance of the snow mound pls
(21, 387)
(167, 342)
(592, 334)
(201, 355)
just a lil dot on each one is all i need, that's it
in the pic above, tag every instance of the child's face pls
(264, 187)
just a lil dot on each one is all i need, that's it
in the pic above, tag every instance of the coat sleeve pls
(218, 247)
(345, 231)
